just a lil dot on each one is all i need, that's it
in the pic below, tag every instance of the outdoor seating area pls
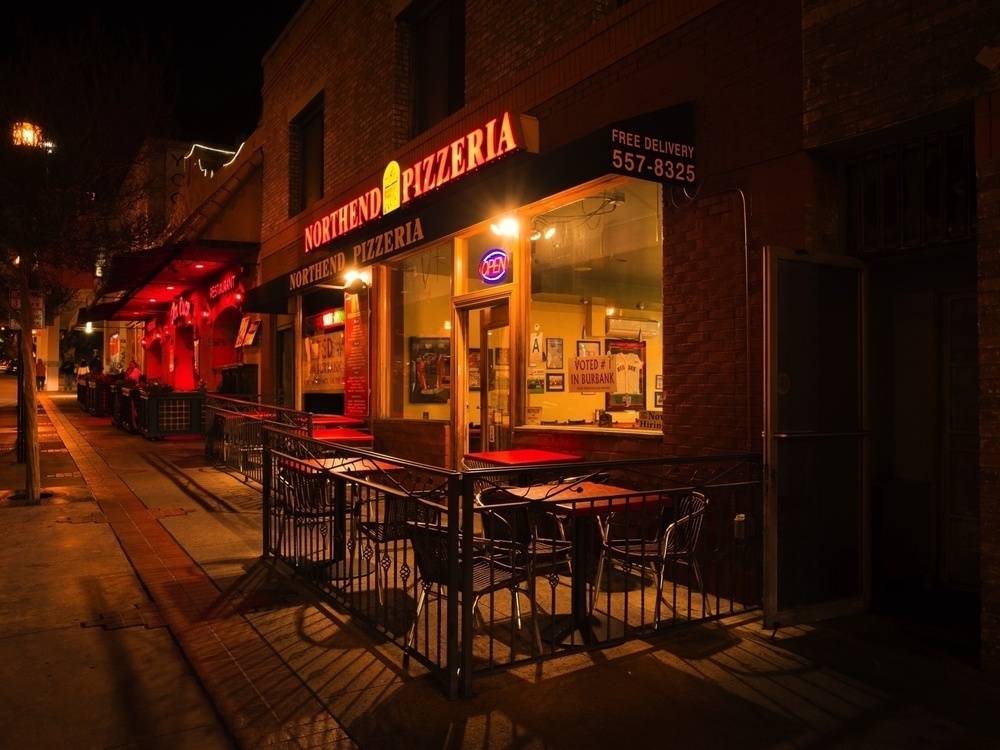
(506, 564)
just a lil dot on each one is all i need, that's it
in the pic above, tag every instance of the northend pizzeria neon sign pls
(481, 146)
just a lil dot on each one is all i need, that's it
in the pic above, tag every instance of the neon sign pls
(498, 137)
(493, 265)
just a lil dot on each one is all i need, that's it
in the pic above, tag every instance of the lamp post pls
(25, 134)
(20, 442)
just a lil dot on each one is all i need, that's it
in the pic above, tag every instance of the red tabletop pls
(522, 457)
(588, 498)
(342, 435)
(336, 420)
(345, 464)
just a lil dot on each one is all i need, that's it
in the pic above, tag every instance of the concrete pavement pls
(137, 612)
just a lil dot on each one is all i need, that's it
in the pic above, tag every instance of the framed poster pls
(553, 354)
(536, 380)
(555, 381)
(628, 359)
(430, 370)
(658, 399)
(659, 382)
(588, 348)
(474, 370)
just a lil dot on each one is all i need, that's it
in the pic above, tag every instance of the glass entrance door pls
(816, 438)
(484, 342)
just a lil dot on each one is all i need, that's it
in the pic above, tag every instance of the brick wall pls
(988, 197)
(869, 67)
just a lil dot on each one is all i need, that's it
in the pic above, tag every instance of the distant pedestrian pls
(95, 365)
(132, 372)
(68, 370)
(82, 370)
(40, 371)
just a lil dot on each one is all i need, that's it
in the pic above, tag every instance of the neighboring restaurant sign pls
(658, 146)
(402, 185)
(180, 310)
(227, 284)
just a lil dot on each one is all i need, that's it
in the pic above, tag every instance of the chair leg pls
(597, 581)
(416, 618)
(701, 587)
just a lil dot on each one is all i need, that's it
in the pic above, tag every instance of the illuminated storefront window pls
(595, 344)
(419, 293)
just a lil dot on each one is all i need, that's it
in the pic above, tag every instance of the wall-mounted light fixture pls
(506, 227)
(541, 229)
(989, 58)
(357, 280)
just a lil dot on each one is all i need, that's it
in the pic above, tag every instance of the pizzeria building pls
(654, 229)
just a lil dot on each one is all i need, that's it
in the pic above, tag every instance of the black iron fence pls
(468, 572)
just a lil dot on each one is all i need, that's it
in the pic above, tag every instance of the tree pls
(71, 195)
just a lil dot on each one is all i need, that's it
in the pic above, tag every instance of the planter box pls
(165, 414)
(130, 406)
(99, 399)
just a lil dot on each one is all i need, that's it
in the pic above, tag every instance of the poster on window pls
(430, 370)
(323, 363)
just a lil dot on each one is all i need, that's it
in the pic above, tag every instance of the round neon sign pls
(493, 265)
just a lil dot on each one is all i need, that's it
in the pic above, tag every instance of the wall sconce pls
(507, 227)
(89, 327)
(541, 229)
(989, 58)
(356, 280)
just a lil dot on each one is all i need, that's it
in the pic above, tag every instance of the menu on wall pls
(355, 358)
(323, 357)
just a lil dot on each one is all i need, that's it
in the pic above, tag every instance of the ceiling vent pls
(631, 328)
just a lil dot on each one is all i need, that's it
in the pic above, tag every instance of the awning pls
(142, 285)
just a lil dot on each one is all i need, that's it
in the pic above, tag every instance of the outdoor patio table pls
(342, 435)
(518, 457)
(521, 457)
(336, 420)
(583, 501)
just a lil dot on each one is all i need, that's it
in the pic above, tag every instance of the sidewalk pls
(138, 613)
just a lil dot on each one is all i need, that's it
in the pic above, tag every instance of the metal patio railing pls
(414, 552)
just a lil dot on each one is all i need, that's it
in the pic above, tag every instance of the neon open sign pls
(493, 266)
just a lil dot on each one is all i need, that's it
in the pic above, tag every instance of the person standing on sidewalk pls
(68, 370)
(40, 374)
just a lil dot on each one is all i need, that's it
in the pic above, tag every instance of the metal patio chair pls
(652, 541)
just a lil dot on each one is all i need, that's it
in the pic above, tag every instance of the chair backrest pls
(430, 551)
(305, 490)
(681, 536)
(504, 518)
(399, 510)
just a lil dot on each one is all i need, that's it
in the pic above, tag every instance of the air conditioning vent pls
(631, 328)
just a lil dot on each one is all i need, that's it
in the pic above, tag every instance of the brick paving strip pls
(262, 700)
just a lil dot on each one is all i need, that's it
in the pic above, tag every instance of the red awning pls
(143, 284)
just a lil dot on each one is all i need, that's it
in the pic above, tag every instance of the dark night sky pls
(217, 49)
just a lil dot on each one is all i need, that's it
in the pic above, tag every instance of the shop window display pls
(596, 270)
